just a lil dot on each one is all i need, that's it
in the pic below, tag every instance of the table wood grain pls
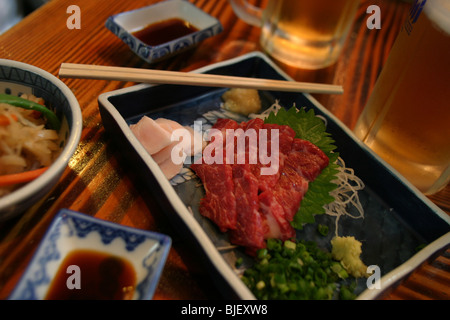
(98, 181)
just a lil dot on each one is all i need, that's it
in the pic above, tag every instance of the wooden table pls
(97, 183)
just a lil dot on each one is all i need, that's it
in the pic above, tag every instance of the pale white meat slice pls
(170, 169)
(190, 142)
(151, 135)
(159, 137)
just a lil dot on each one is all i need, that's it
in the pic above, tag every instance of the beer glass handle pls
(247, 12)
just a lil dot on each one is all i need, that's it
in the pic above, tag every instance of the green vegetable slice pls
(308, 126)
(52, 119)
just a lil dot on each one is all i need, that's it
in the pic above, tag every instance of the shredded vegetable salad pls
(27, 146)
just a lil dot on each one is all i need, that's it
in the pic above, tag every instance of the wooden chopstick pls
(85, 71)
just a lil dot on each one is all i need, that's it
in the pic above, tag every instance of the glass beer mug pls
(302, 33)
(406, 120)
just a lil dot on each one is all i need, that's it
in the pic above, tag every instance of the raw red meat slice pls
(289, 192)
(249, 230)
(250, 130)
(285, 139)
(252, 124)
(219, 202)
(303, 164)
(287, 135)
(253, 207)
(276, 225)
(223, 123)
(307, 159)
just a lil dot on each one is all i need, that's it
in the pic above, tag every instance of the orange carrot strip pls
(4, 120)
(15, 178)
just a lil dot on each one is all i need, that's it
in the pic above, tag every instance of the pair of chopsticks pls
(73, 70)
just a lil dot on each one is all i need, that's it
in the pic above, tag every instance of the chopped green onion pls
(296, 270)
(345, 293)
(289, 244)
(262, 253)
(322, 229)
(337, 268)
(260, 285)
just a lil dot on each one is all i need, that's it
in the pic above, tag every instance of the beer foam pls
(439, 12)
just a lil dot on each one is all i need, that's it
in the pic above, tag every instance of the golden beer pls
(305, 33)
(407, 117)
(308, 34)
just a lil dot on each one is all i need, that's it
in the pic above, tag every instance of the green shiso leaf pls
(308, 126)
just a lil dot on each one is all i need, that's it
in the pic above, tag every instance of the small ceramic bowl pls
(124, 24)
(145, 251)
(17, 78)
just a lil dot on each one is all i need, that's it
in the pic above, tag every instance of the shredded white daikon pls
(345, 195)
(273, 108)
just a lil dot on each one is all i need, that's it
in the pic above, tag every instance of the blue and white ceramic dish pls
(146, 251)
(125, 23)
(17, 78)
(398, 219)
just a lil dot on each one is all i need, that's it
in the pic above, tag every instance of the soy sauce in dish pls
(101, 276)
(164, 31)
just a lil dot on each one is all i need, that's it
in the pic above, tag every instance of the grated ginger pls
(347, 250)
(243, 101)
